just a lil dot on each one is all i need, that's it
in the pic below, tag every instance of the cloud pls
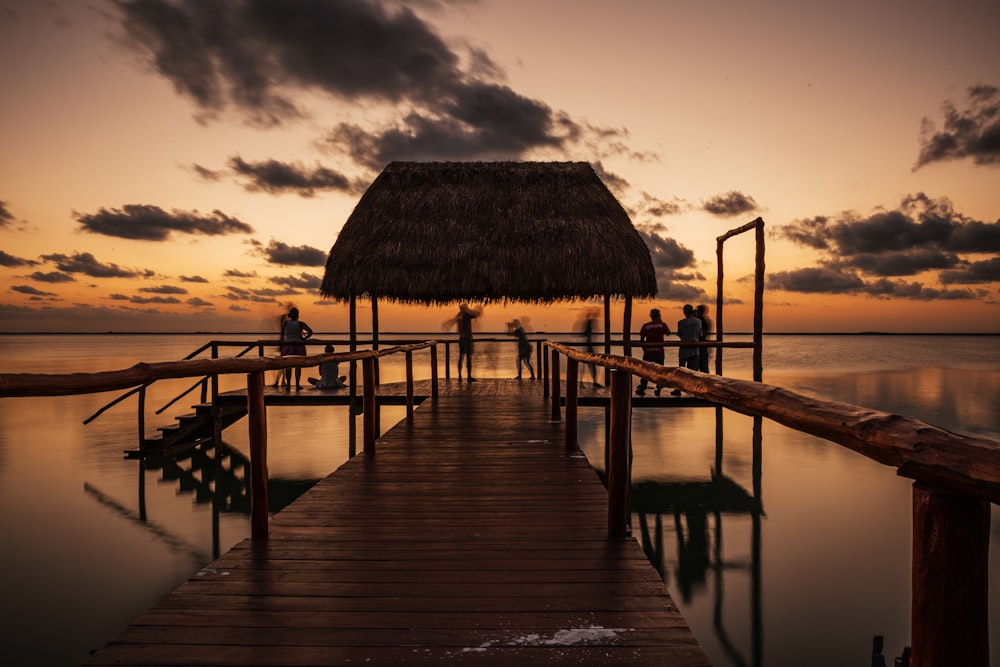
(29, 290)
(669, 257)
(235, 273)
(276, 177)
(52, 277)
(283, 254)
(155, 299)
(660, 208)
(973, 132)
(198, 302)
(257, 56)
(255, 296)
(301, 281)
(193, 279)
(730, 204)
(87, 264)
(163, 289)
(11, 260)
(6, 217)
(151, 223)
(860, 254)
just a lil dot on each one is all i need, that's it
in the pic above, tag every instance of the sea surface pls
(797, 558)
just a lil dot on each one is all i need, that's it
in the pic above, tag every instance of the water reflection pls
(687, 505)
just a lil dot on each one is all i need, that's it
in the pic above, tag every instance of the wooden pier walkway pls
(471, 536)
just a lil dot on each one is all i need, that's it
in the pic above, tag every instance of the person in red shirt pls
(654, 331)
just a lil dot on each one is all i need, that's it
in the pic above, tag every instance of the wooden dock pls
(471, 536)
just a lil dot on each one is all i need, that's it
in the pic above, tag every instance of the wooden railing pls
(956, 478)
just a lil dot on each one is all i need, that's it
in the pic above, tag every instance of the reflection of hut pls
(439, 232)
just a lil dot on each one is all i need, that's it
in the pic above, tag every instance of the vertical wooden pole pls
(370, 421)
(618, 472)
(257, 417)
(353, 310)
(758, 304)
(538, 357)
(434, 371)
(409, 384)
(447, 360)
(545, 376)
(951, 537)
(607, 336)
(556, 394)
(572, 391)
(627, 327)
(375, 334)
(719, 328)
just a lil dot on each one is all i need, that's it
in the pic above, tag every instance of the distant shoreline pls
(383, 334)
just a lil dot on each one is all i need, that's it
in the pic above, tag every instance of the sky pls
(186, 165)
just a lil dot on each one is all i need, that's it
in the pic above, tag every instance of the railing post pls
(572, 390)
(409, 384)
(370, 423)
(447, 361)
(538, 356)
(556, 409)
(257, 417)
(434, 371)
(618, 472)
(545, 376)
(142, 420)
(950, 596)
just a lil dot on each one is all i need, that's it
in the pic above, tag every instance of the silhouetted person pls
(689, 330)
(328, 374)
(293, 336)
(654, 331)
(588, 321)
(704, 353)
(464, 321)
(515, 328)
(279, 379)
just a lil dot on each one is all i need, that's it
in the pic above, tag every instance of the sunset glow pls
(159, 177)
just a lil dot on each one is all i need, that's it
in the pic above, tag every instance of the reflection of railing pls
(956, 477)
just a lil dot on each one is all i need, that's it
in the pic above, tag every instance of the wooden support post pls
(447, 361)
(719, 327)
(257, 417)
(434, 371)
(370, 420)
(572, 391)
(538, 357)
(951, 536)
(545, 376)
(375, 335)
(627, 327)
(758, 303)
(556, 408)
(607, 336)
(142, 421)
(409, 384)
(618, 472)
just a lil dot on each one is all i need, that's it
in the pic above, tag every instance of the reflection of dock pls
(471, 535)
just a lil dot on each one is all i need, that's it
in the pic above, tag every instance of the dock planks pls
(471, 536)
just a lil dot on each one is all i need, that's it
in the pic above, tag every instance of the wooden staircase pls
(190, 429)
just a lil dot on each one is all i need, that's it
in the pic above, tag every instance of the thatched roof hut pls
(439, 232)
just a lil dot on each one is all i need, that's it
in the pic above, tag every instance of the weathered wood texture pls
(471, 536)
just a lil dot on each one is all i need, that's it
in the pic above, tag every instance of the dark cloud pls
(656, 207)
(973, 132)
(861, 254)
(193, 279)
(11, 260)
(198, 302)
(6, 217)
(52, 277)
(730, 204)
(616, 183)
(255, 55)
(302, 281)
(235, 273)
(276, 177)
(669, 257)
(167, 300)
(985, 271)
(283, 254)
(151, 223)
(87, 264)
(29, 290)
(254, 296)
(163, 289)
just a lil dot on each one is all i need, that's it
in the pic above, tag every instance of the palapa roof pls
(439, 232)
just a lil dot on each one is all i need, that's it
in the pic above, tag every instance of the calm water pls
(91, 540)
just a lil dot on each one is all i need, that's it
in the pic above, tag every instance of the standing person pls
(293, 337)
(280, 377)
(704, 353)
(689, 330)
(464, 321)
(589, 322)
(515, 328)
(653, 331)
(328, 377)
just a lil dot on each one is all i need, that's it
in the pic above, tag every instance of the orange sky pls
(158, 176)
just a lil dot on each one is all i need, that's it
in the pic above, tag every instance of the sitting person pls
(328, 378)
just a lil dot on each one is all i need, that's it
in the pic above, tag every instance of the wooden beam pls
(556, 409)
(370, 421)
(618, 463)
(257, 417)
(572, 391)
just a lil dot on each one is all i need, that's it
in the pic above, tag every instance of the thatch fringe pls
(439, 232)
